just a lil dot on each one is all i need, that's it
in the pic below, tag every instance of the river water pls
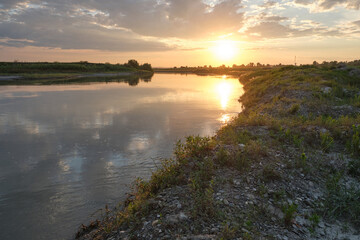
(68, 150)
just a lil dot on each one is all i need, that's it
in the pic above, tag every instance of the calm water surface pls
(68, 150)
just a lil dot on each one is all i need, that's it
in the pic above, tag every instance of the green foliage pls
(298, 141)
(202, 190)
(146, 67)
(193, 156)
(242, 162)
(255, 149)
(354, 168)
(326, 141)
(41, 67)
(314, 221)
(289, 211)
(223, 157)
(353, 145)
(132, 63)
(195, 147)
(227, 232)
(230, 135)
(342, 200)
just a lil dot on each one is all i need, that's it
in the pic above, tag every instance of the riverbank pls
(44, 73)
(68, 78)
(285, 168)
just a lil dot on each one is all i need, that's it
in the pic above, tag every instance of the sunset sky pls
(170, 33)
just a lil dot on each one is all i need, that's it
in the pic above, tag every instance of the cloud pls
(156, 25)
(325, 5)
(357, 23)
(127, 25)
(269, 30)
(41, 28)
(272, 30)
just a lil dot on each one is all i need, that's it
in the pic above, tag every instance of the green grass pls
(289, 211)
(342, 201)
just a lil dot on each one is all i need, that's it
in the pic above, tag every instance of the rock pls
(172, 219)
(301, 221)
(354, 73)
(226, 202)
(275, 211)
(326, 90)
(182, 216)
(176, 218)
(242, 147)
(250, 196)
(179, 206)
(154, 223)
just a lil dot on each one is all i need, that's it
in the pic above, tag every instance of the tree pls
(146, 66)
(132, 63)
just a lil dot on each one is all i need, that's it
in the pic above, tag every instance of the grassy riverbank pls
(285, 168)
(43, 73)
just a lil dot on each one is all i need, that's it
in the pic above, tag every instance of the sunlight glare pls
(225, 118)
(225, 49)
(224, 91)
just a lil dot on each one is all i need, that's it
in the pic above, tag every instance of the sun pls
(225, 49)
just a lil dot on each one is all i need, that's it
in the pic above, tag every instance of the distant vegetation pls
(83, 66)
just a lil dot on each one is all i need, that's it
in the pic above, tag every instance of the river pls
(66, 151)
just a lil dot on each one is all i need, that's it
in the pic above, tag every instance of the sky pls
(169, 33)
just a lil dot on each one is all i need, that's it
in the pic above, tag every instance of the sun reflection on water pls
(224, 90)
(225, 118)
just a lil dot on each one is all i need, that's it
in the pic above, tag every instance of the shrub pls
(289, 211)
(326, 141)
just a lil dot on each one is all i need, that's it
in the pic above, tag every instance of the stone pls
(172, 219)
(326, 90)
(242, 147)
(275, 211)
(154, 223)
(182, 216)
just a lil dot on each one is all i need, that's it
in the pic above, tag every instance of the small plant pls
(354, 168)
(270, 174)
(202, 188)
(227, 232)
(314, 220)
(222, 156)
(302, 161)
(326, 141)
(298, 141)
(289, 211)
(255, 149)
(241, 161)
(294, 108)
(279, 195)
(354, 144)
(342, 200)
(262, 190)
